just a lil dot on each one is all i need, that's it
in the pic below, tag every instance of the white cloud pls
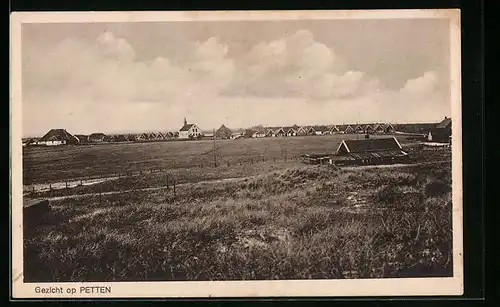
(295, 66)
(106, 70)
(422, 85)
(102, 86)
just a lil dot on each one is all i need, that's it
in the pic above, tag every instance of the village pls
(437, 132)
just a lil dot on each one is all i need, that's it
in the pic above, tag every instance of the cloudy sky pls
(136, 77)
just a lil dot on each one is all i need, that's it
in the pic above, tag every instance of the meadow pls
(260, 214)
(302, 222)
(44, 164)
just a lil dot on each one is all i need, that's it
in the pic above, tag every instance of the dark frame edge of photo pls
(473, 127)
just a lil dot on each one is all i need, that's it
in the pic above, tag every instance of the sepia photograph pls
(205, 154)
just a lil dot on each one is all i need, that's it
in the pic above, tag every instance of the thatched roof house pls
(58, 137)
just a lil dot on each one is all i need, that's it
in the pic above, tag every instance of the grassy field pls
(295, 222)
(42, 164)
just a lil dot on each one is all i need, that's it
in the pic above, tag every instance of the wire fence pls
(74, 179)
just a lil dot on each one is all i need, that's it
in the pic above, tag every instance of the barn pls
(370, 151)
(223, 132)
(58, 137)
(441, 133)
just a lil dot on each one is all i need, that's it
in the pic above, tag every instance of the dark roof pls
(97, 135)
(371, 145)
(444, 123)
(58, 135)
(223, 130)
(186, 127)
(371, 155)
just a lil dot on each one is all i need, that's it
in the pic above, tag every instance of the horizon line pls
(243, 128)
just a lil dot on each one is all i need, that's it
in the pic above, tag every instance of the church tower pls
(185, 121)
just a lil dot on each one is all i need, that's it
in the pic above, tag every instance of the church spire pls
(185, 121)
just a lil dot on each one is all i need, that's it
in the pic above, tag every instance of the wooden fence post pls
(33, 189)
(50, 186)
(66, 184)
(174, 189)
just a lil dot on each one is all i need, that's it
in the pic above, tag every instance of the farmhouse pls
(441, 133)
(189, 131)
(370, 151)
(223, 132)
(57, 137)
(97, 137)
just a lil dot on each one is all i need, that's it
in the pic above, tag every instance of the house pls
(378, 128)
(169, 135)
(290, 131)
(189, 131)
(97, 137)
(441, 133)
(280, 132)
(260, 134)
(270, 132)
(223, 132)
(369, 129)
(311, 131)
(348, 130)
(58, 137)
(321, 130)
(302, 131)
(334, 129)
(389, 128)
(143, 137)
(370, 151)
(359, 129)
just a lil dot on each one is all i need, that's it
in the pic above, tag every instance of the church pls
(189, 131)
